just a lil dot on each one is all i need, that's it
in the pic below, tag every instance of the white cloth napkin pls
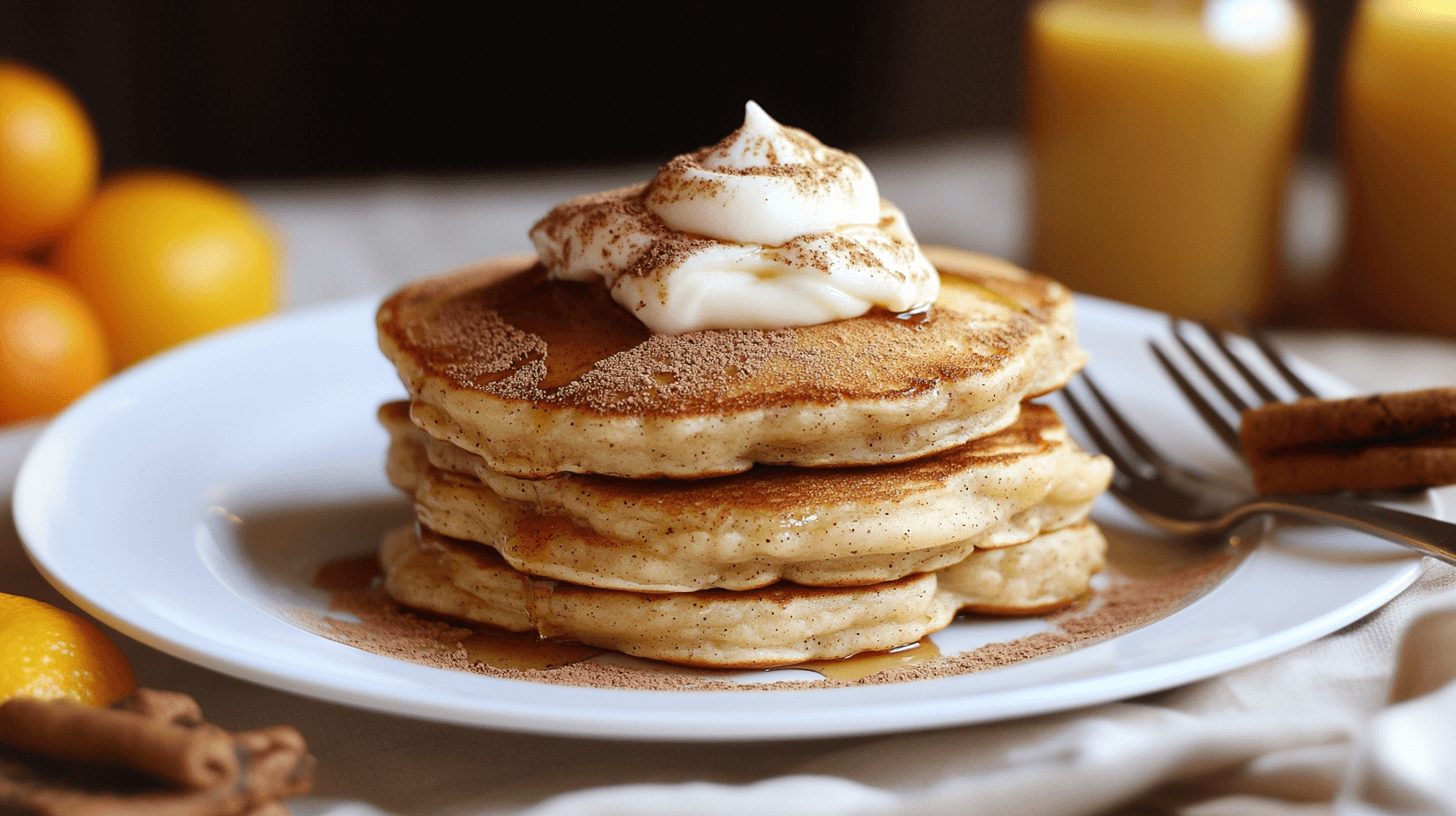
(1299, 734)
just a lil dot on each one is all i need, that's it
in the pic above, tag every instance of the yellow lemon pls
(49, 653)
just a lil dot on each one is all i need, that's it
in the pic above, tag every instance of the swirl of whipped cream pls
(767, 229)
(764, 184)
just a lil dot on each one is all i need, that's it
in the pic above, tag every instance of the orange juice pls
(1398, 144)
(1161, 135)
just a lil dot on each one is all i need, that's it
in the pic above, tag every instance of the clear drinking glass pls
(1161, 135)
(1398, 151)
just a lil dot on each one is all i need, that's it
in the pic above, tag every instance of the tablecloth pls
(1315, 730)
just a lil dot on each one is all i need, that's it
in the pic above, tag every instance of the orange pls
(51, 344)
(49, 653)
(48, 157)
(165, 256)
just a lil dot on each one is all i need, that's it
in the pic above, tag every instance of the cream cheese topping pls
(767, 229)
(764, 184)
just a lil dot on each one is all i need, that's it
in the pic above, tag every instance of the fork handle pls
(1433, 537)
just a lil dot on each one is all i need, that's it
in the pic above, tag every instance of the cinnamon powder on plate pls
(377, 624)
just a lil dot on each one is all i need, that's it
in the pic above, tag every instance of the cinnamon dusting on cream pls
(767, 229)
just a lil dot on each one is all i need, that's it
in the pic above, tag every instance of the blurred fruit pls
(52, 348)
(48, 157)
(165, 256)
(49, 653)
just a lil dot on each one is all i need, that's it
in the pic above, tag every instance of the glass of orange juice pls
(1398, 149)
(1161, 134)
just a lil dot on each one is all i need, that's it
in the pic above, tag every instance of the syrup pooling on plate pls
(860, 666)
(486, 645)
(523, 650)
(352, 573)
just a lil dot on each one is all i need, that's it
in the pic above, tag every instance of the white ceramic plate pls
(186, 502)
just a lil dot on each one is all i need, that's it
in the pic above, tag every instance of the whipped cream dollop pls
(767, 229)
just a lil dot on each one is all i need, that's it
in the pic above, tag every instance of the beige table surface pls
(1242, 743)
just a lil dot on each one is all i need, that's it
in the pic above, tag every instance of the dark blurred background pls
(269, 89)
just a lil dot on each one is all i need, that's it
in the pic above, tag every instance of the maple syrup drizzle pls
(580, 323)
(860, 666)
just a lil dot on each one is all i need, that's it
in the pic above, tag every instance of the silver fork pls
(1187, 502)
(1221, 425)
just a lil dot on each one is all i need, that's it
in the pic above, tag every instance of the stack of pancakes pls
(734, 497)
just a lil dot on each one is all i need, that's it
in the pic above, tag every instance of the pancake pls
(540, 377)
(780, 624)
(820, 527)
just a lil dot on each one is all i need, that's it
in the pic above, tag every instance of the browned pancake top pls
(505, 330)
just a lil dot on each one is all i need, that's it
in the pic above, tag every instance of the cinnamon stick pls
(168, 706)
(150, 755)
(275, 764)
(1377, 442)
(1407, 415)
(195, 757)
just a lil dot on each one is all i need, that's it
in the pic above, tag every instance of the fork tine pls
(1276, 359)
(1220, 339)
(1135, 440)
(1124, 466)
(1205, 409)
(1234, 400)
